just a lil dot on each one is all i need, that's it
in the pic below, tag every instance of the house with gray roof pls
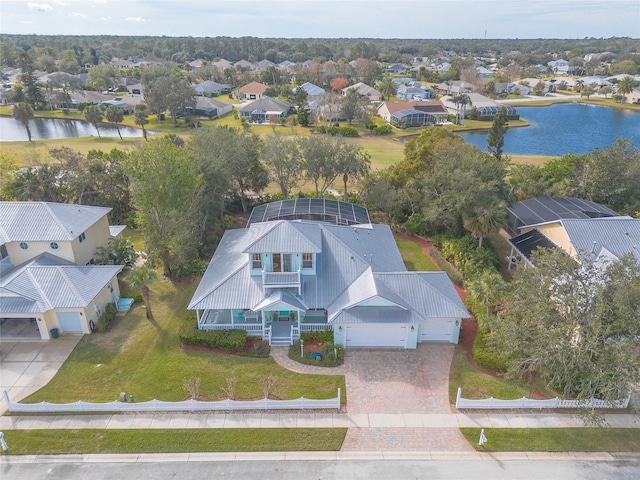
(580, 228)
(314, 264)
(364, 90)
(47, 275)
(209, 88)
(265, 110)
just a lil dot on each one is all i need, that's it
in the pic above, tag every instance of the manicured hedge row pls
(484, 353)
(229, 340)
(343, 132)
(452, 271)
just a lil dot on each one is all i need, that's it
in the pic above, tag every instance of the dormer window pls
(256, 261)
(82, 237)
(307, 260)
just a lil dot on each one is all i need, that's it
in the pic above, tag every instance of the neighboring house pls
(414, 91)
(208, 107)
(209, 88)
(562, 67)
(47, 273)
(116, 102)
(572, 224)
(222, 64)
(265, 110)
(455, 87)
(264, 64)
(486, 108)
(364, 90)
(286, 66)
(633, 97)
(314, 92)
(196, 64)
(396, 68)
(484, 72)
(314, 264)
(511, 87)
(244, 64)
(424, 113)
(252, 91)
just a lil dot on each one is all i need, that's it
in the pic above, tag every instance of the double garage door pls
(395, 334)
(377, 335)
(70, 322)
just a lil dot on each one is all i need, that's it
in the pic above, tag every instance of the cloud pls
(39, 7)
(61, 2)
(136, 19)
(105, 19)
(78, 14)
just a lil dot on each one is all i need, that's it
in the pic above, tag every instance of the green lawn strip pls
(145, 359)
(478, 385)
(413, 257)
(48, 442)
(555, 439)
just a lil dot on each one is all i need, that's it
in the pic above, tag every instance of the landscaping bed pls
(253, 347)
(318, 349)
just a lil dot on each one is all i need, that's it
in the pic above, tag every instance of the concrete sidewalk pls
(306, 420)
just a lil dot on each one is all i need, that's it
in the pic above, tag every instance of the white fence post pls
(6, 398)
(458, 395)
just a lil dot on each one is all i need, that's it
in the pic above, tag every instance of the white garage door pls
(437, 330)
(377, 335)
(70, 322)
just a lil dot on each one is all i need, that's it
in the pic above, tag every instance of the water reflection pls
(52, 128)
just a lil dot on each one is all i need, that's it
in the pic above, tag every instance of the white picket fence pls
(524, 402)
(185, 406)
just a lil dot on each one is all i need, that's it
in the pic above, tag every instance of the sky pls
(326, 18)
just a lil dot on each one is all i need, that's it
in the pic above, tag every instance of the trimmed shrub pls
(486, 355)
(343, 132)
(455, 276)
(324, 336)
(464, 254)
(228, 340)
(109, 314)
(382, 129)
(332, 355)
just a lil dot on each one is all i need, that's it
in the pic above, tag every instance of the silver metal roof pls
(46, 222)
(49, 282)
(618, 235)
(288, 237)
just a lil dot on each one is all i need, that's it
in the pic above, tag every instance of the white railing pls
(295, 333)
(315, 327)
(249, 327)
(524, 402)
(185, 406)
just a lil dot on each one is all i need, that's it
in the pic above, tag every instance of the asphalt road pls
(325, 470)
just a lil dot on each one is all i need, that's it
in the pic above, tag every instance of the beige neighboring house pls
(633, 97)
(364, 90)
(47, 275)
(387, 109)
(252, 91)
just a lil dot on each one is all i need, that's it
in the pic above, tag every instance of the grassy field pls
(555, 439)
(56, 442)
(413, 257)
(144, 358)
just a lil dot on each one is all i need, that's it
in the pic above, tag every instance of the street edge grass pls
(85, 441)
(595, 439)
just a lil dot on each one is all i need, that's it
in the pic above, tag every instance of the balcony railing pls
(281, 280)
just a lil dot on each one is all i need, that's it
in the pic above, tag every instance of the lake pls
(52, 128)
(565, 128)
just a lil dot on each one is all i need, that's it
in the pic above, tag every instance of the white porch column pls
(198, 316)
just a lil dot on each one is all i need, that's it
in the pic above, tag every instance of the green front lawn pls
(555, 439)
(50, 442)
(144, 358)
(478, 385)
(414, 259)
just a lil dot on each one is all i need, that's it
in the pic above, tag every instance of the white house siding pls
(95, 236)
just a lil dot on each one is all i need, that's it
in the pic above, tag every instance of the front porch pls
(277, 327)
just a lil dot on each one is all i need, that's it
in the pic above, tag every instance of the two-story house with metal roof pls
(316, 264)
(47, 277)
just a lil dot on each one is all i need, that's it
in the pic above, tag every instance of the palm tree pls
(93, 115)
(488, 288)
(23, 112)
(115, 115)
(579, 85)
(461, 101)
(387, 87)
(141, 118)
(625, 86)
(139, 279)
(485, 218)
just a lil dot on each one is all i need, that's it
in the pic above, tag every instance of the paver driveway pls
(394, 381)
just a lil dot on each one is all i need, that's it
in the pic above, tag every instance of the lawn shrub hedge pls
(343, 132)
(109, 314)
(324, 336)
(455, 276)
(228, 340)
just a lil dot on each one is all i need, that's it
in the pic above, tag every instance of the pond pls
(566, 128)
(53, 128)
